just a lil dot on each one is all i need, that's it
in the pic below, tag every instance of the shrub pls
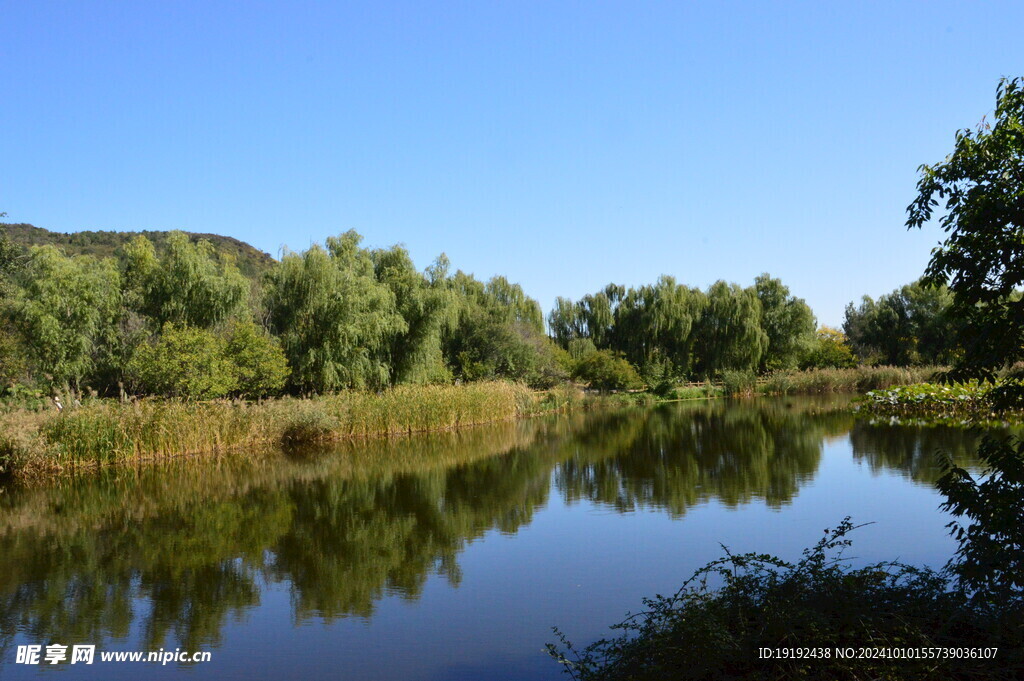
(738, 382)
(818, 602)
(198, 364)
(184, 362)
(257, 360)
(829, 350)
(989, 562)
(605, 370)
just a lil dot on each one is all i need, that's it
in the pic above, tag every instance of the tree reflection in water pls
(177, 550)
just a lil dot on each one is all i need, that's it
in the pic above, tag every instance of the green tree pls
(981, 186)
(498, 333)
(729, 333)
(787, 321)
(334, 318)
(829, 351)
(185, 362)
(186, 284)
(605, 370)
(914, 324)
(654, 327)
(67, 311)
(13, 354)
(563, 322)
(427, 307)
(982, 260)
(256, 358)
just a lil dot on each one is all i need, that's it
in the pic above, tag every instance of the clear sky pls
(562, 144)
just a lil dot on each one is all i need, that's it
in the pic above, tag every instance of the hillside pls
(251, 261)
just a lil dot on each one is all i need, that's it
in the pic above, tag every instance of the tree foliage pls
(498, 332)
(334, 318)
(729, 334)
(67, 310)
(787, 321)
(914, 324)
(829, 350)
(185, 362)
(193, 363)
(426, 305)
(605, 370)
(187, 284)
(670, 331)
(981, 188)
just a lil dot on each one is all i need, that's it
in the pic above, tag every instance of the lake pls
(449, 555)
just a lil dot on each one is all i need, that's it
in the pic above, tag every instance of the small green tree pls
(184, 362)
(605, 370)
(829, 351)
(256, 358)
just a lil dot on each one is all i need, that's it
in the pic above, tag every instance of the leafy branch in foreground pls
(989, 564)
(818, 603)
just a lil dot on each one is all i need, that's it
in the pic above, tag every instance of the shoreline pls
(101, 433)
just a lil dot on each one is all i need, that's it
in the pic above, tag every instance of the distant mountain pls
(251, 261)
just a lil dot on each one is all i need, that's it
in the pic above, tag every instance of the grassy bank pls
(104, 432)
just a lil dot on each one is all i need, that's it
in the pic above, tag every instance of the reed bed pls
(104, 432)
(859, 379)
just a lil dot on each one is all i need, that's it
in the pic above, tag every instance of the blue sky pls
(562, 144)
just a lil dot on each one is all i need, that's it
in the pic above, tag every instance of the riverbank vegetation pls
(816, 618)
(819, 606)
(103, 432)
(182, 316)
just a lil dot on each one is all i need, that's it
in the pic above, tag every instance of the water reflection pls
(176, 552)
(915, 451)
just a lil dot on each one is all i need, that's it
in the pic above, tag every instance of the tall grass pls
(859, 379)
(102, 432)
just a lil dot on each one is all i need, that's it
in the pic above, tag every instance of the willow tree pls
(498, 333)
(788, 323)
(426, 305)
(511, 302)
(564, 324)
(185, 284)
(67, 310)
(654, 326)
(334, 318)
(729, 333)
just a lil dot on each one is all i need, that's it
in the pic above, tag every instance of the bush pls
(738, 382)
(184, 362)
(257, 360)
(197, 364)
(990, 558)
(829, 350)
(604, 370)
(818, 603)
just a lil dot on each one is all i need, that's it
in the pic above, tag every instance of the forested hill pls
(251, 261)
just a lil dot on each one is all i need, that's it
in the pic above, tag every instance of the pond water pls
(451, 555)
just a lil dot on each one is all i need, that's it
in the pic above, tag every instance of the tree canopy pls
(981, 188)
